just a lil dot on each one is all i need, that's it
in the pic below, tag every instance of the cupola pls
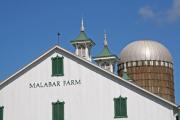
(83, 44)
(106, 59)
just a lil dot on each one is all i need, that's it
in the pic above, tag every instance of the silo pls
(149, 64)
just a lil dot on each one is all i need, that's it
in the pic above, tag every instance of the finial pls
(82, 24)
(58, 35)
(105, 38)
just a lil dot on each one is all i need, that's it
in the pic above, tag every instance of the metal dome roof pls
(145, 50)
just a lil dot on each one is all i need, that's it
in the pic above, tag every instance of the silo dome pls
(145, 50)
(149, 64)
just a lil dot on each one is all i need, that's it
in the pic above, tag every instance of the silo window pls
(157, 63)
(162, 63)
(129, 64)
(58, 111)
(1, 113)
(134, 63)
(151, 63)
(57, 66)
(170, 65)
(166, 64)
(139, 63)
(120, 107)
(145, 62)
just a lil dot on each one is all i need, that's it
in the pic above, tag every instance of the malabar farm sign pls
(61, 83)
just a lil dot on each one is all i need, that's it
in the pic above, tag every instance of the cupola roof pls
(105, 52)
(82, 37)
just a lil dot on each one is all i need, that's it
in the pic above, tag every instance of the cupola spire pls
(105, 39)
(82, 24)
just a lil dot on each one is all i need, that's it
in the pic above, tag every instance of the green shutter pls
(61, 110)
(53, 66)
(54, 110)
(117, 107)
(57, 66)
(1, 113)
(120, 107)
(123, 107)
(61, 66)
(58, 111)
(177, 118)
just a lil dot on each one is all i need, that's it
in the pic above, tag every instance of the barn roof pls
(113, 77)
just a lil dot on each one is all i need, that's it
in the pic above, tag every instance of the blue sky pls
(28, 27)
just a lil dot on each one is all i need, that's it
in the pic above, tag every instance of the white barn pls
(80, 90)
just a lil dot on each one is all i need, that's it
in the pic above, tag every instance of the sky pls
(28, 28)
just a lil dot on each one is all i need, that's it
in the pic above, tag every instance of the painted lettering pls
(54, 84)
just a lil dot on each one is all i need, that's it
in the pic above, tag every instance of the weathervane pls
(58, 42)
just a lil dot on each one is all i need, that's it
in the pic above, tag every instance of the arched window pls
(81, 51)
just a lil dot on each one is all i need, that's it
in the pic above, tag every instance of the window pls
(162, 63)
(145, 62)
(57, 66)
(166, 64)
(170, 65)
(81, 51)
(1, 113)
(129, 64)
(105, 65)
(157, 63)
(134, 63)
(151, 63)
(58, 111)
(120, 107)
(139, 63)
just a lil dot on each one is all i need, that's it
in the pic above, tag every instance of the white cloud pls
(170, 15)
(146, 12)
(174, 12)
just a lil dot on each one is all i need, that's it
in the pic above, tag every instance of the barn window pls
(120, 107)
(58, 111)
(57, 66)
(1, 113)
